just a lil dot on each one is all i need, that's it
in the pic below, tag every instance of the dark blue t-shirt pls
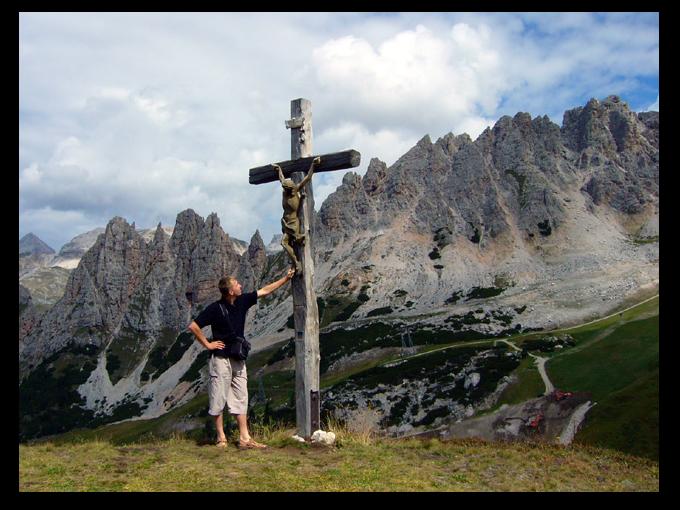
(230, 324)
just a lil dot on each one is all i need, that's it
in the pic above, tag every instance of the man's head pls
(288, 184)
(229, 286)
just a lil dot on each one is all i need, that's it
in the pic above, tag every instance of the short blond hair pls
(225, 284)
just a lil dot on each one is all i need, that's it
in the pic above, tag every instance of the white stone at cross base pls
(319, 436)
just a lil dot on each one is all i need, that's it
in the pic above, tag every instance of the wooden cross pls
(305, 310)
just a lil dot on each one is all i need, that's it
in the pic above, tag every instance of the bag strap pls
(225, 314)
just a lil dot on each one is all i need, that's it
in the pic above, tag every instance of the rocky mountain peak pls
(451, 143)
(418, 153)
(212, 222)
(115, 262)
(31, 244)
(257, 255)
(512, 176)
(188, 226)
(212, 258)
(159, 235)
(425, 142)
(351, 179)
(522, 119)
(256, 238)
(609, 126)
(374, 176)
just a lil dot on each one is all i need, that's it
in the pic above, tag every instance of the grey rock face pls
(514, 175)
(619, 149)
(525, 198)
(344, 212)
(212, 258)
(651, 129)
(28, 316)
(24, 296)
(124, 287)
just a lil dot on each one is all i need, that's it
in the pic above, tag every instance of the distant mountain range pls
(529, 226)
(44, 273)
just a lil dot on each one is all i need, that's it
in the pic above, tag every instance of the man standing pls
(228, 383)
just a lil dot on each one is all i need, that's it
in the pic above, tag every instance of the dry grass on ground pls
(358, 462)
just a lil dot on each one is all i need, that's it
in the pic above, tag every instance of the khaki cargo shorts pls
(228, 386)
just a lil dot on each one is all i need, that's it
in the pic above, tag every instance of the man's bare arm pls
(265, 291)
(200, 337)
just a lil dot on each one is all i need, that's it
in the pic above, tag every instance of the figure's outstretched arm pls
(281, 177)
(304, 181)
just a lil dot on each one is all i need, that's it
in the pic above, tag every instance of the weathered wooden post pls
(305, 311)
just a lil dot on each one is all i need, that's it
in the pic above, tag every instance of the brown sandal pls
(251, 443)
(222, 443)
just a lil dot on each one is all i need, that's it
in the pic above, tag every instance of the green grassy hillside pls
(619, 365)
(616, 357)
(627, 420)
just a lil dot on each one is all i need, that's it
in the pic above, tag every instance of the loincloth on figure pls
(290, 226)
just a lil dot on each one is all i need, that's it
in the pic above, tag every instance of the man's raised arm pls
(268, 289)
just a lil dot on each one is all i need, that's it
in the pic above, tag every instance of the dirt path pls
(549, 388)
(540, 362)
(567, 435)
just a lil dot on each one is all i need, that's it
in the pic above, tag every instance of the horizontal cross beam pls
(329, 162)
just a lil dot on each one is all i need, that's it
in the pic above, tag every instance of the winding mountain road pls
(540, 362)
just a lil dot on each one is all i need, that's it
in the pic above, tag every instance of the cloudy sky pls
(143, 115)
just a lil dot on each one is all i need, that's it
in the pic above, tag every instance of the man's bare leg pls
(242, 421)
(219, 426)
(244, 436)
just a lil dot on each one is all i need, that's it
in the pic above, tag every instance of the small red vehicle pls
(535, 421)
(561, 395)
